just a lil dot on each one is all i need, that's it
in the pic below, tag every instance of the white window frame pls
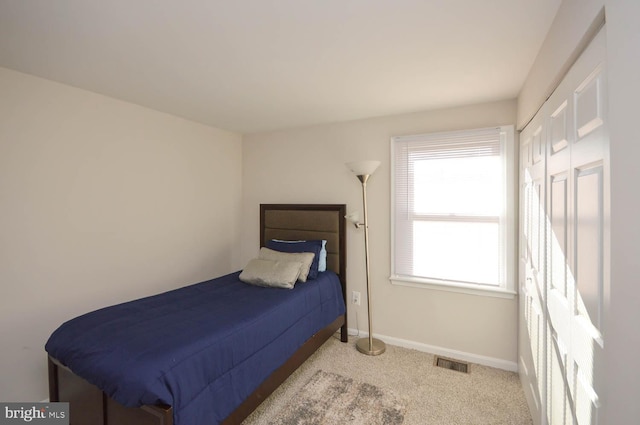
(508, 229)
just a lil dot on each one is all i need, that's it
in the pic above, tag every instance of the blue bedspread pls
(201, 349)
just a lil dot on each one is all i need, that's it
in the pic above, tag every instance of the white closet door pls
(574, 269)
(532, 264)
(576, 205)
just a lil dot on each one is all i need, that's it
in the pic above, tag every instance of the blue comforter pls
(201, 349)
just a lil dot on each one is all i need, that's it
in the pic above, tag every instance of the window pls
(452, 218)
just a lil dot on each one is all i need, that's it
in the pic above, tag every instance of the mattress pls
(201, 349)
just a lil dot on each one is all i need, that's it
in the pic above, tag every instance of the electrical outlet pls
(355, 298)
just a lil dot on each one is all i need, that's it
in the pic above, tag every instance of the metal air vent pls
(452, 364)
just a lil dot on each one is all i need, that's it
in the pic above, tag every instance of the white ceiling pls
(259, 65)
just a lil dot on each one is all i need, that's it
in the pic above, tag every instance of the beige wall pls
(307, 166)
(567, 35)
(622, 312)
(101, 201)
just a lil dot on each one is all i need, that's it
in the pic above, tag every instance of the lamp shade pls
(363, 168)
(354, 218)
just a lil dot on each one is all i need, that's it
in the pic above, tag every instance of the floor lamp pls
(364, 169)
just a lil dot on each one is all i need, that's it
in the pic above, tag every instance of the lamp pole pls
(371, 346)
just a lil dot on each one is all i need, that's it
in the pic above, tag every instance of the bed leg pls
(344, 332)
(53, 381)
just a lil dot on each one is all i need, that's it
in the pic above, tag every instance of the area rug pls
(329, 399)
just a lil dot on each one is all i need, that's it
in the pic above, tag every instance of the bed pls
(180, 366)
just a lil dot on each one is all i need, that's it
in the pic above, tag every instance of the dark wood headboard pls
(306, 222)
(309, 221)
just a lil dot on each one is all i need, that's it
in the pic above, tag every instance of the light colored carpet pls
(434, 396)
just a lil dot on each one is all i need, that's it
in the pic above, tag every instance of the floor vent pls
(451, 364)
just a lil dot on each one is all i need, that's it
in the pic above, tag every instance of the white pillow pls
(275, 274)
(306, 258)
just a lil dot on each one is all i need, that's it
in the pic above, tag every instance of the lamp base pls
(376, 349)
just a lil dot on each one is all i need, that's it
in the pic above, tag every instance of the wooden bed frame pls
(90, 406)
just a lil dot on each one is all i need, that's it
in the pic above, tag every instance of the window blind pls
(445, 188)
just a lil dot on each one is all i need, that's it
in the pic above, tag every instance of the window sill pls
(463, 288)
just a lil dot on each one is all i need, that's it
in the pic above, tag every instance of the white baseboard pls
(441, 351)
